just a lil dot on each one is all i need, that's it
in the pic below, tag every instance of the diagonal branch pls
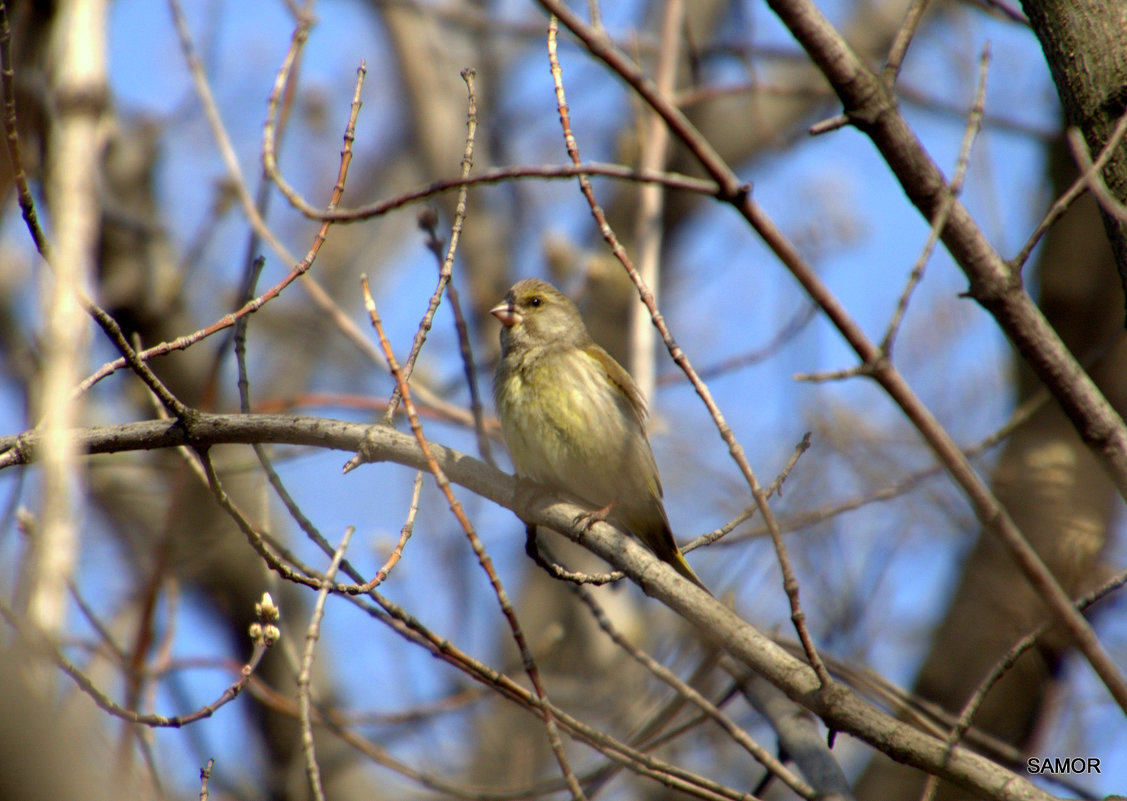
(841, 709)
(871, 107)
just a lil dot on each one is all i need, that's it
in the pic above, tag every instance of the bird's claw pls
(584, 520)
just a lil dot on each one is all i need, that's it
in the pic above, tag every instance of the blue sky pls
(727, 296)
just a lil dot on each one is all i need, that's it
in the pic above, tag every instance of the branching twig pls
(872, 108)
(1094, 176)
(558, 571)
(738, 735)
(1002, 667)
(776, 487)
(844, 711)
(974, 125)
(478, 548)
(261, 644)
(1078, 187)
(790, 584)
(238, 184)
(304, 676)
(428, 221)
(444, 274)
(12, 137)
(903, 40)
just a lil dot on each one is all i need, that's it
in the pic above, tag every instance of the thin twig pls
(304, 676)
(445, 272)
(556, 570)
(428, 221)
(1003, 666)
(444, 275)
(497, 175)
(320, 296)
(903, 40)
(786, 334)
(270, 552)
(272, 476)
(269, 130)
(775, 488)
(1094, 177)
(992, 285)
(441, 648)
(42, 243)
(205, 777)
(1078, 187)
(790, 584)
(137, 359)
(738, 735)
(475, 542)
(845, 711)
(397, 552)
(974, 125)
(11, 130)
(106, 704)
(219, 130)
(910, 481)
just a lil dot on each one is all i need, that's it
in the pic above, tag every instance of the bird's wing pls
(637, 403)
(617, 374)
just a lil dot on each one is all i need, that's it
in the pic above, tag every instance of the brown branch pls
(557, 571)
(902, 40)
(681, 359)
(974, 125)
(1093, 175)
(496, 175)
(12, 138)
(483, 557)
(1079, 186)
(262, 643)
(842, 710)
(683, 689)
(238, 184)
(872, 108)
(305, 674)
(137, 359)
(962, 724)
(428, 222)
(446, 271)
(995, 286)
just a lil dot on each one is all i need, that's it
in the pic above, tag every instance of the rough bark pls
(1058, 495)
(1085, 45)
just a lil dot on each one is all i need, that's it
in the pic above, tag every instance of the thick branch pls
(841, 709)
(1086, 48)
(871, 107)
(1072, 384)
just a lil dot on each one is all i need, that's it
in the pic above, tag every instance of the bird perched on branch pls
(574, 420)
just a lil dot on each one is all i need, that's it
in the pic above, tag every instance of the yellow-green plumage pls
(573, 418)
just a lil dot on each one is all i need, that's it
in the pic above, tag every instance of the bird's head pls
(535, 313)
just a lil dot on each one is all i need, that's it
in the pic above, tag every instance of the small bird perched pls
(574, 420)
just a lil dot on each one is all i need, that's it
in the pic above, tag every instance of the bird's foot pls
(584, 520)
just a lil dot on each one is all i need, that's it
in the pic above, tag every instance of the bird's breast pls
(566, 425)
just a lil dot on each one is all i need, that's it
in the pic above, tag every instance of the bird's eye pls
(535, 301)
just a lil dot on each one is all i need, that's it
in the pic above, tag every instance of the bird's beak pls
(507, 314)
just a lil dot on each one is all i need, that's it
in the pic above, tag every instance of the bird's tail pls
(649, 524)
(665, 548)
(676, 560)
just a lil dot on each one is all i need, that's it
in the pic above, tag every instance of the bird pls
(574, 420)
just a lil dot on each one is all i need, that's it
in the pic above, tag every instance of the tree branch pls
(840, 708)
